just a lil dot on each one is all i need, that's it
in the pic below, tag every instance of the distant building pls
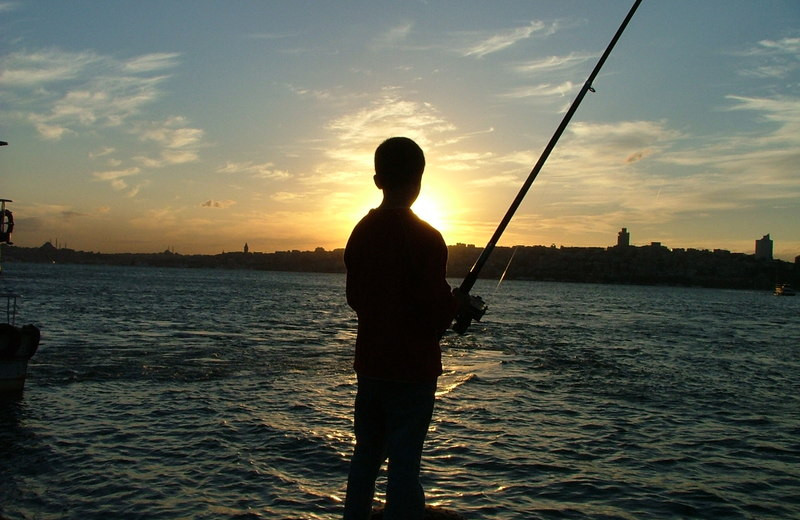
(764, 248)
(246, 248)
(623, 238)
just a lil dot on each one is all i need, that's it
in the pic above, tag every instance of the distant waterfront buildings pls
(764, 248)
(623, 238)
(652, 264)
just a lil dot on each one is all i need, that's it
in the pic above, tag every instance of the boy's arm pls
(435, 301)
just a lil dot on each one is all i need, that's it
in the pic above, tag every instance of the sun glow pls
(430, 208)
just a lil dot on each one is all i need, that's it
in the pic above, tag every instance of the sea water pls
(179, 393)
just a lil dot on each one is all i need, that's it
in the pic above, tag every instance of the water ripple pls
(162, 393)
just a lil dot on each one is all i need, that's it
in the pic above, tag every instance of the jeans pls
(391, 421)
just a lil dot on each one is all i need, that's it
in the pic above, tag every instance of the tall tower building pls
(623, 238)
(764, 247)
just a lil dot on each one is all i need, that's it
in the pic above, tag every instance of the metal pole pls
(472, 276)
(2, 229)
(2, 219)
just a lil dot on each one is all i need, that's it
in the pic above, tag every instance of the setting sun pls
(106, 154)
(429, 208)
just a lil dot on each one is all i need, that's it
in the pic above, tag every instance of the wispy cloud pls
(69, 215)
(117, 179)
(151, 62)
(389, 114)
(219, 204)
(318, 94)
(52, 217)
(167, 158)
(595, 171)
(166, 220)
(507, 38)
(773, 58)
(461, 161)
(178, 143)
(496, 180)
(32, 69)
(111, 175)
(625, 171)
(782, 111)
(338, 182)
(617, 139)
(265, 170)
(393, 36)
(789, 46)
(285, 196)
(82, 90)
(539, 91)
(268, 36)
(553, 63)
(764, 164)
(355, 133)
(173, 134)
(102, 152)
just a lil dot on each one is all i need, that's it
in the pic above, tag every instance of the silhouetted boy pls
(396, 266)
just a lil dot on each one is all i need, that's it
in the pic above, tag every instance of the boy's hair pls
(398, 162)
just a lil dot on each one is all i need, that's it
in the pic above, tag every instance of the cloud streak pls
(625, 172)
(507, 38)
(83, 90)
(218, 204)
(540, 91)
(553, 63)
(265, 170)
(117, 179)
(773, 59)
(33, 69)
(389, 114)
(393, 37)
(177, 141)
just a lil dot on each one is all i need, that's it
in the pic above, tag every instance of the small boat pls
(784, 289)
(17, 344)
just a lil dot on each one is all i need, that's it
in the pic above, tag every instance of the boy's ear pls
(377, 182)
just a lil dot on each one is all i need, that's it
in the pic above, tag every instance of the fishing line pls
(502, 276)
(476, 307)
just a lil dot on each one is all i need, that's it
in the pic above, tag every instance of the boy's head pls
(399, 163)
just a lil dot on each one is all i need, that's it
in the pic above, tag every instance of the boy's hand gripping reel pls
(469, 308)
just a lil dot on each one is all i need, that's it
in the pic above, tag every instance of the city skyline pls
(135, 127)
(625, 241)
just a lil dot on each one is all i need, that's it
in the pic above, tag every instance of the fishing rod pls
(476, 307)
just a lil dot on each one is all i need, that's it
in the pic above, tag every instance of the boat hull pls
(12, 375)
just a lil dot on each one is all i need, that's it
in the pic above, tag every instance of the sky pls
(199, 126)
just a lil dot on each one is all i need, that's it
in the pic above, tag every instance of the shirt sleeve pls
(432, 295)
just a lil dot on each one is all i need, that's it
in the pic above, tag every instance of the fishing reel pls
(469, 308)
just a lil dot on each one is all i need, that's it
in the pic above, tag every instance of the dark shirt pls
(396, 267)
